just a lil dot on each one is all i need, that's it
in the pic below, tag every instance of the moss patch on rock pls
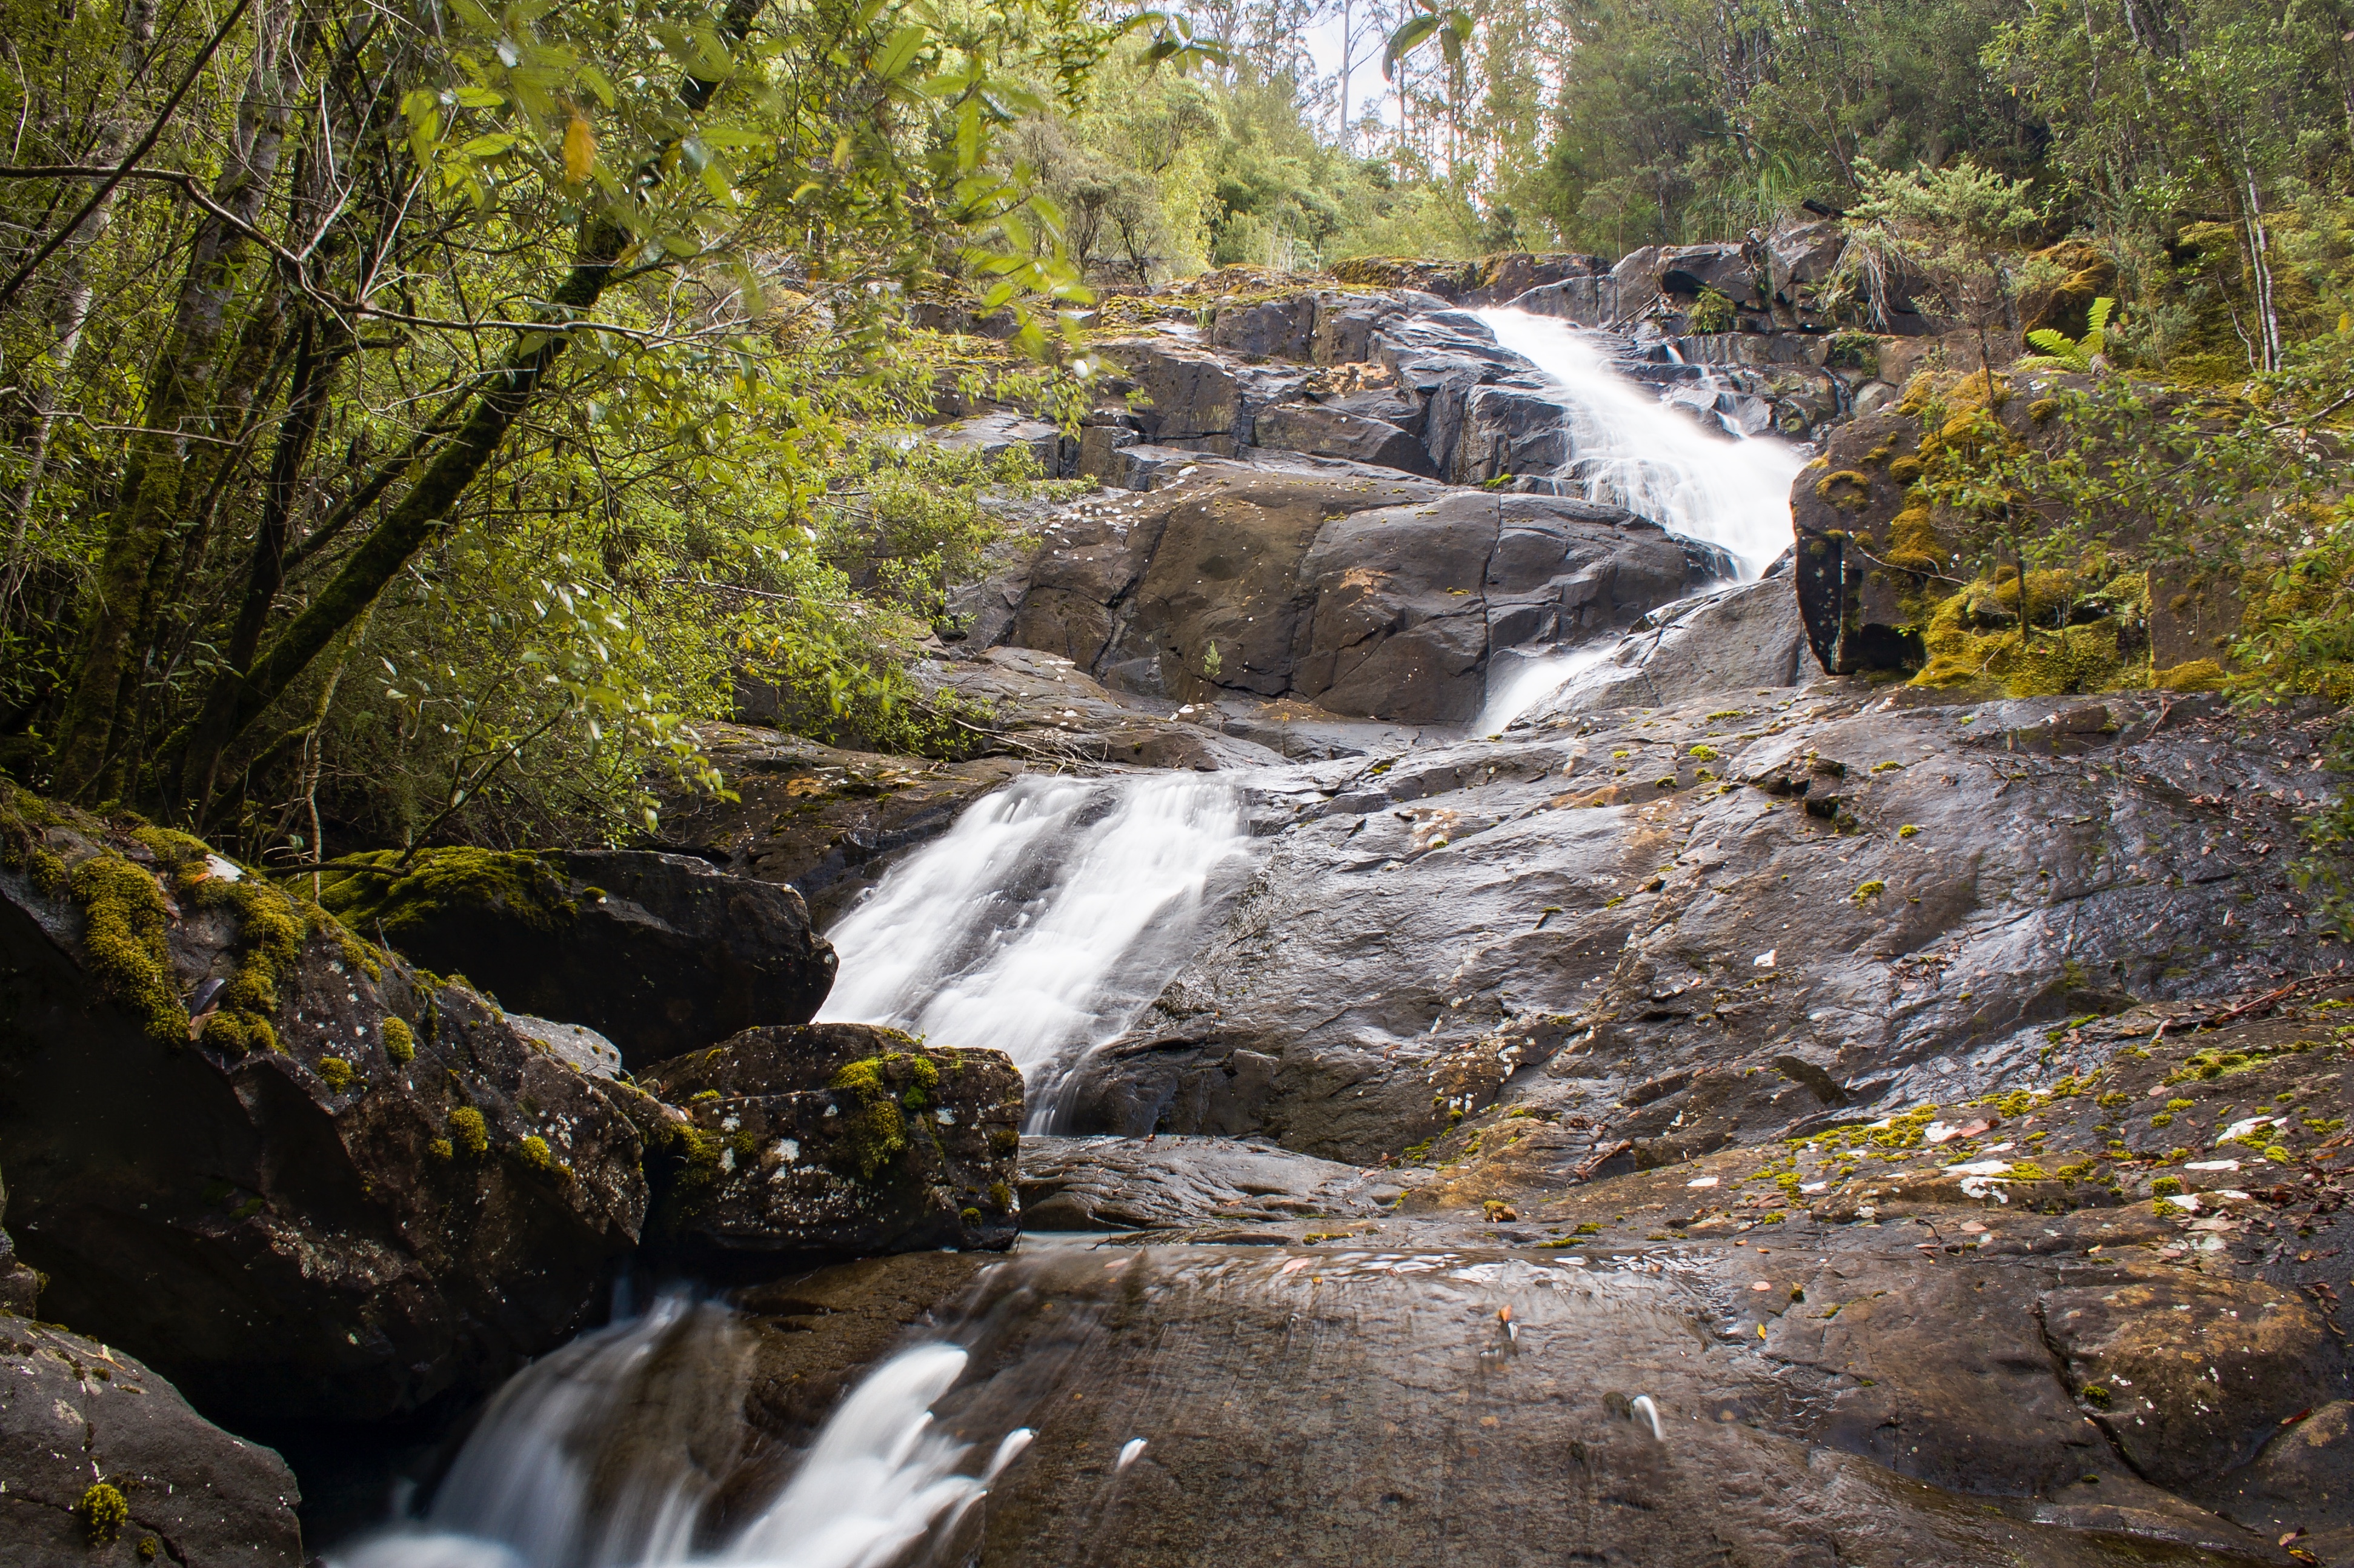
(374, 893)
(879, 1089)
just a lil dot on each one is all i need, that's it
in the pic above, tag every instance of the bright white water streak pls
(606, 1454)
(1631, 450)
(1045, 919)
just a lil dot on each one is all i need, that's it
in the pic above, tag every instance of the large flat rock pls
(1745, 913)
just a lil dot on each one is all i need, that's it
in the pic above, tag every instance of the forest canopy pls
(418, 414)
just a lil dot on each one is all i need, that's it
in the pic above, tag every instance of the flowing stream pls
(1629, 449)
(1041, 923)
(1045, 919)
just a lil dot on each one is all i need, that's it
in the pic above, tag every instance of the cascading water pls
(1631, 450)
(611, 1453)
(1045, 919)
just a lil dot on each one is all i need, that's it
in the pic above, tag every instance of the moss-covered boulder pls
(299, 1179)
(660, 953)
(106, 1467)
(833, 1141)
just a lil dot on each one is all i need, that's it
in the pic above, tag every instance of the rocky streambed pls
(1521, 1065)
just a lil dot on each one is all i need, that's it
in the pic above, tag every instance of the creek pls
(1086, 1402)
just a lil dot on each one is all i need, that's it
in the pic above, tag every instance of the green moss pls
(875, 1130)
(336, 1072)
(2096, 1395)
(1867, 890)
(148, 1547)
(374, 893)
(441, 1149)
(469, 1131)
(1001, 1197)
(2165, 1187)
(1003, 1142)
(1846, 490)
(124, 946)
(104, 1511)
(970, 1216)
(535, 1153)
(236, 1033)
(2198, 675)
(701, 1095)
(399, 1041)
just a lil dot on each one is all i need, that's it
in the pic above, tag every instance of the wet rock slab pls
(1178, 1183)
(1461, 1405)
(74, 1414)
(1719, 922)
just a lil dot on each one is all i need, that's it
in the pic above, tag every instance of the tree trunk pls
(70, 314)
(91, 745)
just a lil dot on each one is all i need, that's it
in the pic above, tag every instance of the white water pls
(605, 1454)
(1045, 919)
(1535, 677)
(1631, 450)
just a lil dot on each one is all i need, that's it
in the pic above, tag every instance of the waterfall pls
(1045, 919)
(610, 1452)
(1630, 450)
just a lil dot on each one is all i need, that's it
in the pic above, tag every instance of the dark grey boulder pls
(1360, 594)
(1747, 642)
(1326, 431)
(76, 1416)
(659, 953)
(344, 1192)
(834, 1140)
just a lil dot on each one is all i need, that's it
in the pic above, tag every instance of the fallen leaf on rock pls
(1763, 1285)
(1974, 1229)
(1702, 1181)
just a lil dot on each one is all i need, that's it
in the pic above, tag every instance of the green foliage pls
(577, 320)
(2062, 352)
(1712, 312)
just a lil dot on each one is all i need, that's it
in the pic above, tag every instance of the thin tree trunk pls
(90, 747)
(72, 314)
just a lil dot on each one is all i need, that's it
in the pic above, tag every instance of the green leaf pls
(898, 52)
(1403, 41)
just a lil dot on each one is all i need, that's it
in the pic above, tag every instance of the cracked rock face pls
(73, 1413)
(1726, 922)
(1363, 596)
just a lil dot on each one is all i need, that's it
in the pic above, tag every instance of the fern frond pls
(2098, 316)
(2045, 362)
(2052, 340)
